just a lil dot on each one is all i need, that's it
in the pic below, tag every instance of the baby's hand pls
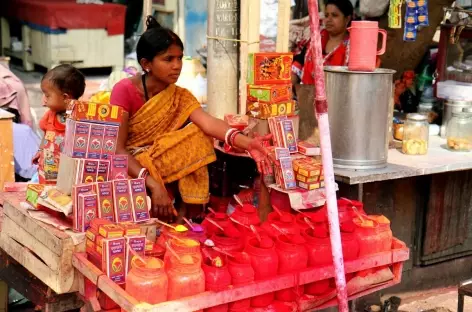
(35, 159)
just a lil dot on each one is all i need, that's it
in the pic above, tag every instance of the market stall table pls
(429, 202)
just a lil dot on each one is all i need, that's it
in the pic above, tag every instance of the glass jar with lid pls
(415, 135)
(459, 131)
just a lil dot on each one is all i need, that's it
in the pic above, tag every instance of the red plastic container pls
(185, 279)
(242, 273)
(345, 210)
(293, 257)
(319, 249)
(286, 223)
(318, 216)
(228, 243)
(265, 263)
(220, 218)
(185, 247)
(246, 214)
(147, 285)
(363, 41)
(318, 288)
(216, 279)
(369, 237)
(385, 232)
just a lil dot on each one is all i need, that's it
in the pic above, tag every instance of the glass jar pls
(415, 135)
(182, 246)
(147, 284)
(459, 131)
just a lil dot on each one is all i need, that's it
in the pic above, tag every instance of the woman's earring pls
(147, 70)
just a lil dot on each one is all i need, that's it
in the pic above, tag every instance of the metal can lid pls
(417, 117)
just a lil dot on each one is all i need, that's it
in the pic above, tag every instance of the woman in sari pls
(165, 132)
(334, 41)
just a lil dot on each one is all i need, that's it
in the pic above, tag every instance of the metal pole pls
(147, 10)
(321, 111)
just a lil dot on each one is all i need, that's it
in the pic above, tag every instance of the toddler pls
(59, 85)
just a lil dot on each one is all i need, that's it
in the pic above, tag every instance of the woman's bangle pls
(228, 135)
(143, 173)
(233, 136)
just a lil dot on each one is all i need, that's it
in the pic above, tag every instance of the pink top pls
(126, 95)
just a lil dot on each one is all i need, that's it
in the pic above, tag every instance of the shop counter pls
(429, 202)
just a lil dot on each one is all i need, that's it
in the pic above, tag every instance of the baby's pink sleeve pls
(120, 95)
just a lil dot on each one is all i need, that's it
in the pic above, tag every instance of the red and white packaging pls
(106, 208)
(76, 140)
(109, 141)
(114, 259)
(139, 202)
(86, 211)
(95, 141)
(136, 243)
(90, 170)
(103, 170)
(122, 201)
(119, 167)
(308, 149)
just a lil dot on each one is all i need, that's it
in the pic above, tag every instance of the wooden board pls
(7, 166)
(207, 299)
(43, 250)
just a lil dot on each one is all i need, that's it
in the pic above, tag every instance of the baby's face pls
(53, 98)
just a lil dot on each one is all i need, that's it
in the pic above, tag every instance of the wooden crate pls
(393, 258)
(42, 249)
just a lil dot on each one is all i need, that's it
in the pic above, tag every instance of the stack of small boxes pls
(269, 85)
(112, 248)
(96, 178)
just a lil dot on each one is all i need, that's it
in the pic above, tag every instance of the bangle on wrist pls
(228, 135)
(233, 137)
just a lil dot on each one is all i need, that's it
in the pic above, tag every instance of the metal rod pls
(321, 111)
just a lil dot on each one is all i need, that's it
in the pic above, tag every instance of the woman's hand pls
(161, 203)
(260, 154)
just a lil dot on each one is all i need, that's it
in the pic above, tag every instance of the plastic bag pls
(373, 8)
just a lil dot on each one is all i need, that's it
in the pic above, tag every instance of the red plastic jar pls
(216, 279)
(247, 215)
(293, 257)
(185, 279)
(265, 263)
(369, 237)
(198, 236)
(345, 210)
(185, 247)
(319, 217)
(242, 273)
(318, 288)
(385, 232)
(147, 285)
(163, 238)
(228, 243)
(319, 249)
(286, 223)
(220, 218)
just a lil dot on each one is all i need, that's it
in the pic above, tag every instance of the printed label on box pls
(138, 195)
(109, 141)
(87, 210)
(287, 173)
(122, 201)
(114, 259)
(76, 191)
(136, 243)
(103, 170)
(90, 171)
(105, 201)
(119, 167)
(79, 139)
(95, 141)
(288, 134)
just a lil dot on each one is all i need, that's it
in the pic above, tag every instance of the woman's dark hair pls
(155, 40)
(67, 79)
(345, 6)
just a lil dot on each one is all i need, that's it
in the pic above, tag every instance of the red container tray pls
(393, 258)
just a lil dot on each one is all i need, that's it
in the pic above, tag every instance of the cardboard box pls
(311, 186)
(95, 141)
(109, 141)
(274, 130)
(86, 211)
(269, 93)
(136, 243)
(288, 176)
(269, 68)
(266, 110)
(307, 167)
(95, 112)
(119, 167)
(70, 173)
(114, 259)
(122, 201)
(239, 122)
(106, 208)
(90, 246)
(111, 230)
(90, 171)
(308, 149)
(103, 170)
(313, 179)
(76, 140)
(32, 193)
(91, 234)
(139, 200)
(76, 191)
(288, 135)
(96, 223)
(131, 229)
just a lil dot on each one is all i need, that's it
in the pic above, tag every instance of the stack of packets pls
(416, 15)
(269, 89)
(92, 174)
(109, 245)
(395, 14)
(296, 170)
(283, 133)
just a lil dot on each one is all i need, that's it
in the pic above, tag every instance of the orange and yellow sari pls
(171, 151)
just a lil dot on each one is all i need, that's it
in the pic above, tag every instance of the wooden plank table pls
(43, 250)
(393, 258)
